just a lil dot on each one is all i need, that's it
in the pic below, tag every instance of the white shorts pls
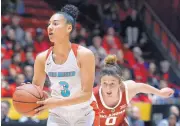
(88, 116)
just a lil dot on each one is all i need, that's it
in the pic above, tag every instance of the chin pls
(51, 40)
(109, 96)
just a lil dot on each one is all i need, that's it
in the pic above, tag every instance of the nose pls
(108, 88)
(50, 28)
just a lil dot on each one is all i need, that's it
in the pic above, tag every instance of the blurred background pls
(144, 34)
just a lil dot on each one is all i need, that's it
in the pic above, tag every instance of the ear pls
(69, 28)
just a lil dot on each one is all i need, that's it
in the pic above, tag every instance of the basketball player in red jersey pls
(71, 70)
(114, 94)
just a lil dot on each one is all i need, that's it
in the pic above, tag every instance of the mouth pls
(50, 34)
(109, 93)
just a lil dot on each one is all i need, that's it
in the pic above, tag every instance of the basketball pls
(25, 98)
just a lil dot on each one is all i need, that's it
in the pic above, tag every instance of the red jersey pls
(112, 116)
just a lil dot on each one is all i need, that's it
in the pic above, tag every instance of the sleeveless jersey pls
(112, 116)
(65, 79)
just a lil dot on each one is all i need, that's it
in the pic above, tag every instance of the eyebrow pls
(54, 20)
(107, 82)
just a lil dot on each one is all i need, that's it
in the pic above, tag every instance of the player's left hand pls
(46, 104)
(166, 92)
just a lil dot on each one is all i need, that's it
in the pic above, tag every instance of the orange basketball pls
(25, 98)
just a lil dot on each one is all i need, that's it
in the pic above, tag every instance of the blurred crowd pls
(172, 119)
(119, 32)
(19, 50)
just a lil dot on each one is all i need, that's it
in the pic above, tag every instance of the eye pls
(55, 23)
(112, 84)
(105, 84)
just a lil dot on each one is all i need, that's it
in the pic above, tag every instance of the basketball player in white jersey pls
(71, 70)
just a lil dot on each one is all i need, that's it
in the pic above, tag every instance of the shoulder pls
(96, 90)
(85, 54)
(83, 51)
(41, 57)
(129, 83)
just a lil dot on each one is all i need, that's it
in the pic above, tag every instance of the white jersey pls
(65, 80)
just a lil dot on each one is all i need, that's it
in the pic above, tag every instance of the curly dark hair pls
(71, 10)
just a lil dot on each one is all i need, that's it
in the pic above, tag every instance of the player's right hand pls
(166, 92)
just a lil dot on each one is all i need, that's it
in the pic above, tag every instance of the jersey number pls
(110, 121)
(65, 92)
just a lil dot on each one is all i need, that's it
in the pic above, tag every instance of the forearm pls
(38, 83)
(76, 99)
(146, 88)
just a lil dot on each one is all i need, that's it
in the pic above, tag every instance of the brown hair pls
(111, 68)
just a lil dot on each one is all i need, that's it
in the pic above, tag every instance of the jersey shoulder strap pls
(49, 50)
(75, 48)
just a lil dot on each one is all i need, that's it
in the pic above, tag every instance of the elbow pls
(143, 86)
(87, 95)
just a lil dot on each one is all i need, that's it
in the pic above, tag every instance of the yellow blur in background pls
(145, 110)
(14, 115)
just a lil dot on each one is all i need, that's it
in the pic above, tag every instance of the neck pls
(62, 48)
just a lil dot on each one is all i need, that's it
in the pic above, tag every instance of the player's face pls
(58, 29)
(110, 86)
